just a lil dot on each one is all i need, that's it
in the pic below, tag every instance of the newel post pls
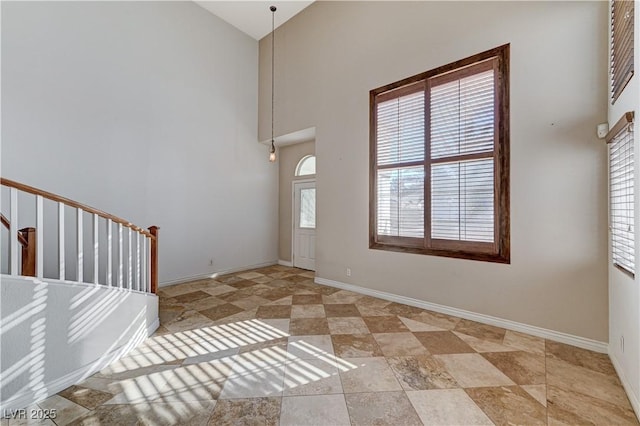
(29, 252)
(154, 259)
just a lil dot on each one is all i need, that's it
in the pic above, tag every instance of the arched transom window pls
(306, 166)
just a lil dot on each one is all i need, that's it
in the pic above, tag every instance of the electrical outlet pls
(348, 272)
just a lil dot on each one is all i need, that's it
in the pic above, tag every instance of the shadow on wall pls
(54, 334)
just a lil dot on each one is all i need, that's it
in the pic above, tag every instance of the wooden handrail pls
(68, 202)
(23, 241)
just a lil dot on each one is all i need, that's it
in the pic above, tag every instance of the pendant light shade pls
(272, 151)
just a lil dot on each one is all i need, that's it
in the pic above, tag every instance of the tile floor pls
(269, 347)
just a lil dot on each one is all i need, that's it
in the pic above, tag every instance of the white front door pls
(304, 225)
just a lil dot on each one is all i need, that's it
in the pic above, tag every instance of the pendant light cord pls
(273, 17)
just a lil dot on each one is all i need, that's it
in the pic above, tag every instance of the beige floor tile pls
(66, 411)
(313, 410)
(524, 368)
(436, 319)
(509, 405)
(250, 411)
(307, 299)
(249, 275)
(195, 382)
(480, 331)
(283, 301)
(310, 347)
(568, 407)
(275, 326)
(347, 325)
(307, 311)
(538, 392)
(399, 344)
(524, 342)
(421, 373)
(85, 397)
(413, 325)
(341, 310)
(369, 375)
(341, 297)
(188, 320)
(311, 377)
(472, 370)
(355, 345)
(274, 311)
(256, 374)
(308, 326)
(447, 407)
(480, 345)
(381, 408)
(443, 342)
(573, 378)
(221, 289)
(389, 324)
(177, 413)
(580, 357)
(250, 302)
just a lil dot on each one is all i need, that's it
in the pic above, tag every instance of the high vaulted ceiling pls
(254, 17)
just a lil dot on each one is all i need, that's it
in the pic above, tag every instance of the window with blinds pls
(621, 45)
(439, 161)
(621, 193)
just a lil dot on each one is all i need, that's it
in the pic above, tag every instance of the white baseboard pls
(633, 398)
(214, 274)
(557, 336)
(285, 263)
(27, 397)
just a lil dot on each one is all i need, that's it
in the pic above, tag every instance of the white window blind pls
(622, 12)
(621, 176)
(462, 191)
(400, 140)
(462, 116)
(401, 129)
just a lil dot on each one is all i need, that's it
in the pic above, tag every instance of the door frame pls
(293, 212)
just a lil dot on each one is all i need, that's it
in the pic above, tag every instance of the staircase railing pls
(138, 252)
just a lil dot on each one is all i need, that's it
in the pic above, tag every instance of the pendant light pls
(272, 152)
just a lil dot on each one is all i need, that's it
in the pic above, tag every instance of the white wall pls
(146, 110)
(54, 334)
(624, 291)
(328, 58)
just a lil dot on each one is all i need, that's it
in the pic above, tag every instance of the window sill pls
(458, 254)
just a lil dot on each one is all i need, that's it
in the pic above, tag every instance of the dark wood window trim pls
(622, 66)
(499, 250)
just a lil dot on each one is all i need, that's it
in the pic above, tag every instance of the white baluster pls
(62, 271)
(109, 253)
(144, 264)
(39, 236)
(137, 261)
(96, 249)
(129, 262)
(149, 267)
(13, 231)
(79, 244)
(120, 266)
